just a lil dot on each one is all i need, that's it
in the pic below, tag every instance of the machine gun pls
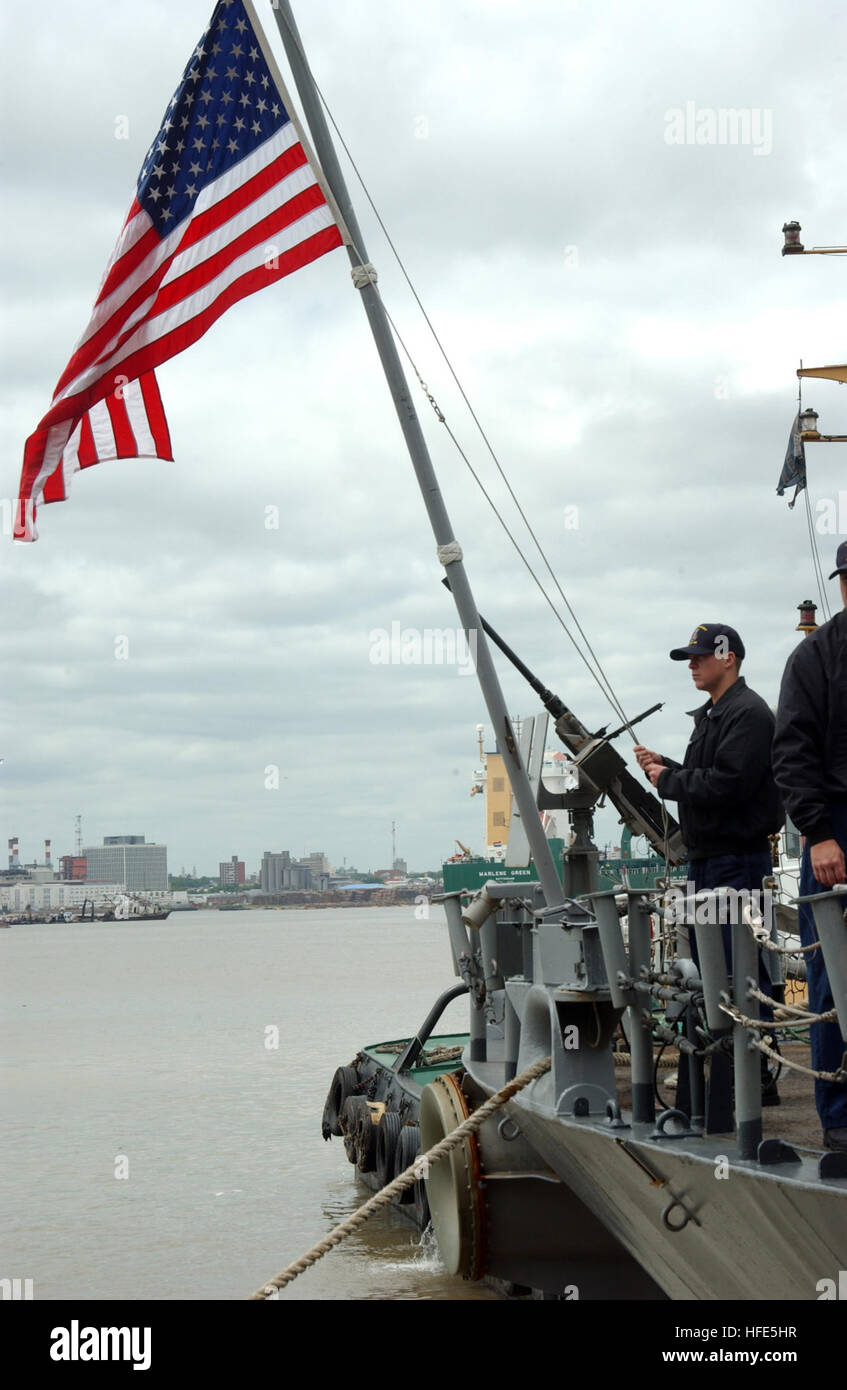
(602, 770)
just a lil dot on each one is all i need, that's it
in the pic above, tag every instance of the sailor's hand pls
(654, 771)
(828, 864)
(644, 757)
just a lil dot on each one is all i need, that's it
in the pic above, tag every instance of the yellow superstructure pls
(498, 799)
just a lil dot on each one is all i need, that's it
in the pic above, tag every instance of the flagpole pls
(449, 551)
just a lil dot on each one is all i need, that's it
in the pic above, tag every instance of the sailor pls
(728, 801)
(810, 762)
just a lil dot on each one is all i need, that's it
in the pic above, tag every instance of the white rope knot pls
(450, 553)
(364, 275)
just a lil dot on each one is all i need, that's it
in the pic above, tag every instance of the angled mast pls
(448, 549)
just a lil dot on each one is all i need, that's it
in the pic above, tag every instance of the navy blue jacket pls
(728, 800)
(810, 747)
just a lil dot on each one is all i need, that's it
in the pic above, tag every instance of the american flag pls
(226, 203)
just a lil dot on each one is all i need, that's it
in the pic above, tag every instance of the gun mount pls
(602, 771)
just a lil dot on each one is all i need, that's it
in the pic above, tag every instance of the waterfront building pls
(272, 876)
(129, 861)
(281, 873)
(73, 867)
(48, 897)
(231, 871)
(317, 862)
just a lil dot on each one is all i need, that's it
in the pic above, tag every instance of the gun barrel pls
(639, 809)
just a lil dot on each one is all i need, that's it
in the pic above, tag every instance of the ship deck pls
(795, 1119)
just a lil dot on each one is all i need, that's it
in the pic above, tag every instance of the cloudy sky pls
(617, 309)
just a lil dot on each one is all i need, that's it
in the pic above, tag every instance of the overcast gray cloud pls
(618, 311)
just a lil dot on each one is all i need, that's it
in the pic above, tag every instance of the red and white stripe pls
(255, 224)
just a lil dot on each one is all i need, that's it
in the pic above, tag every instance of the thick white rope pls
(738, 1017)
(450, 553)
(762, 938)
(798, 1017)
(363, 274)
(406, 1179)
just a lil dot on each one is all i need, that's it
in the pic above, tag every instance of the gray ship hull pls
(752, 1234)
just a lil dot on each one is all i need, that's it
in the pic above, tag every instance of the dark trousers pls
(734, 871)
(828, 1046)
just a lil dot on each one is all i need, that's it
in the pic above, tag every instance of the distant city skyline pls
(250, 868)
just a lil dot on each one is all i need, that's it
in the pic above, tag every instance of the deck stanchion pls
(457, 931)
(512, 1040)
(710, 948)
(748, 1082)
(611, 944)
(477, 1044)
(640, 1042)
(828, 910)
(691, 1086)
(715, 977)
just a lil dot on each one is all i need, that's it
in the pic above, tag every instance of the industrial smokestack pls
(14, 862)
(47, 844)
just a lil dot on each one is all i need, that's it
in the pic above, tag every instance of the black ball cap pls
(711, 639)
(840, 560)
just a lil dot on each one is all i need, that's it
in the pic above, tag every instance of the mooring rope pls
(406, 1179)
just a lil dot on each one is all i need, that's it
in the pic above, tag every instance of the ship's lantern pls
(809, 421)
(807, 610)
(792, 245)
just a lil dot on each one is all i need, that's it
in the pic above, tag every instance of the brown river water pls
(156, 1147)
